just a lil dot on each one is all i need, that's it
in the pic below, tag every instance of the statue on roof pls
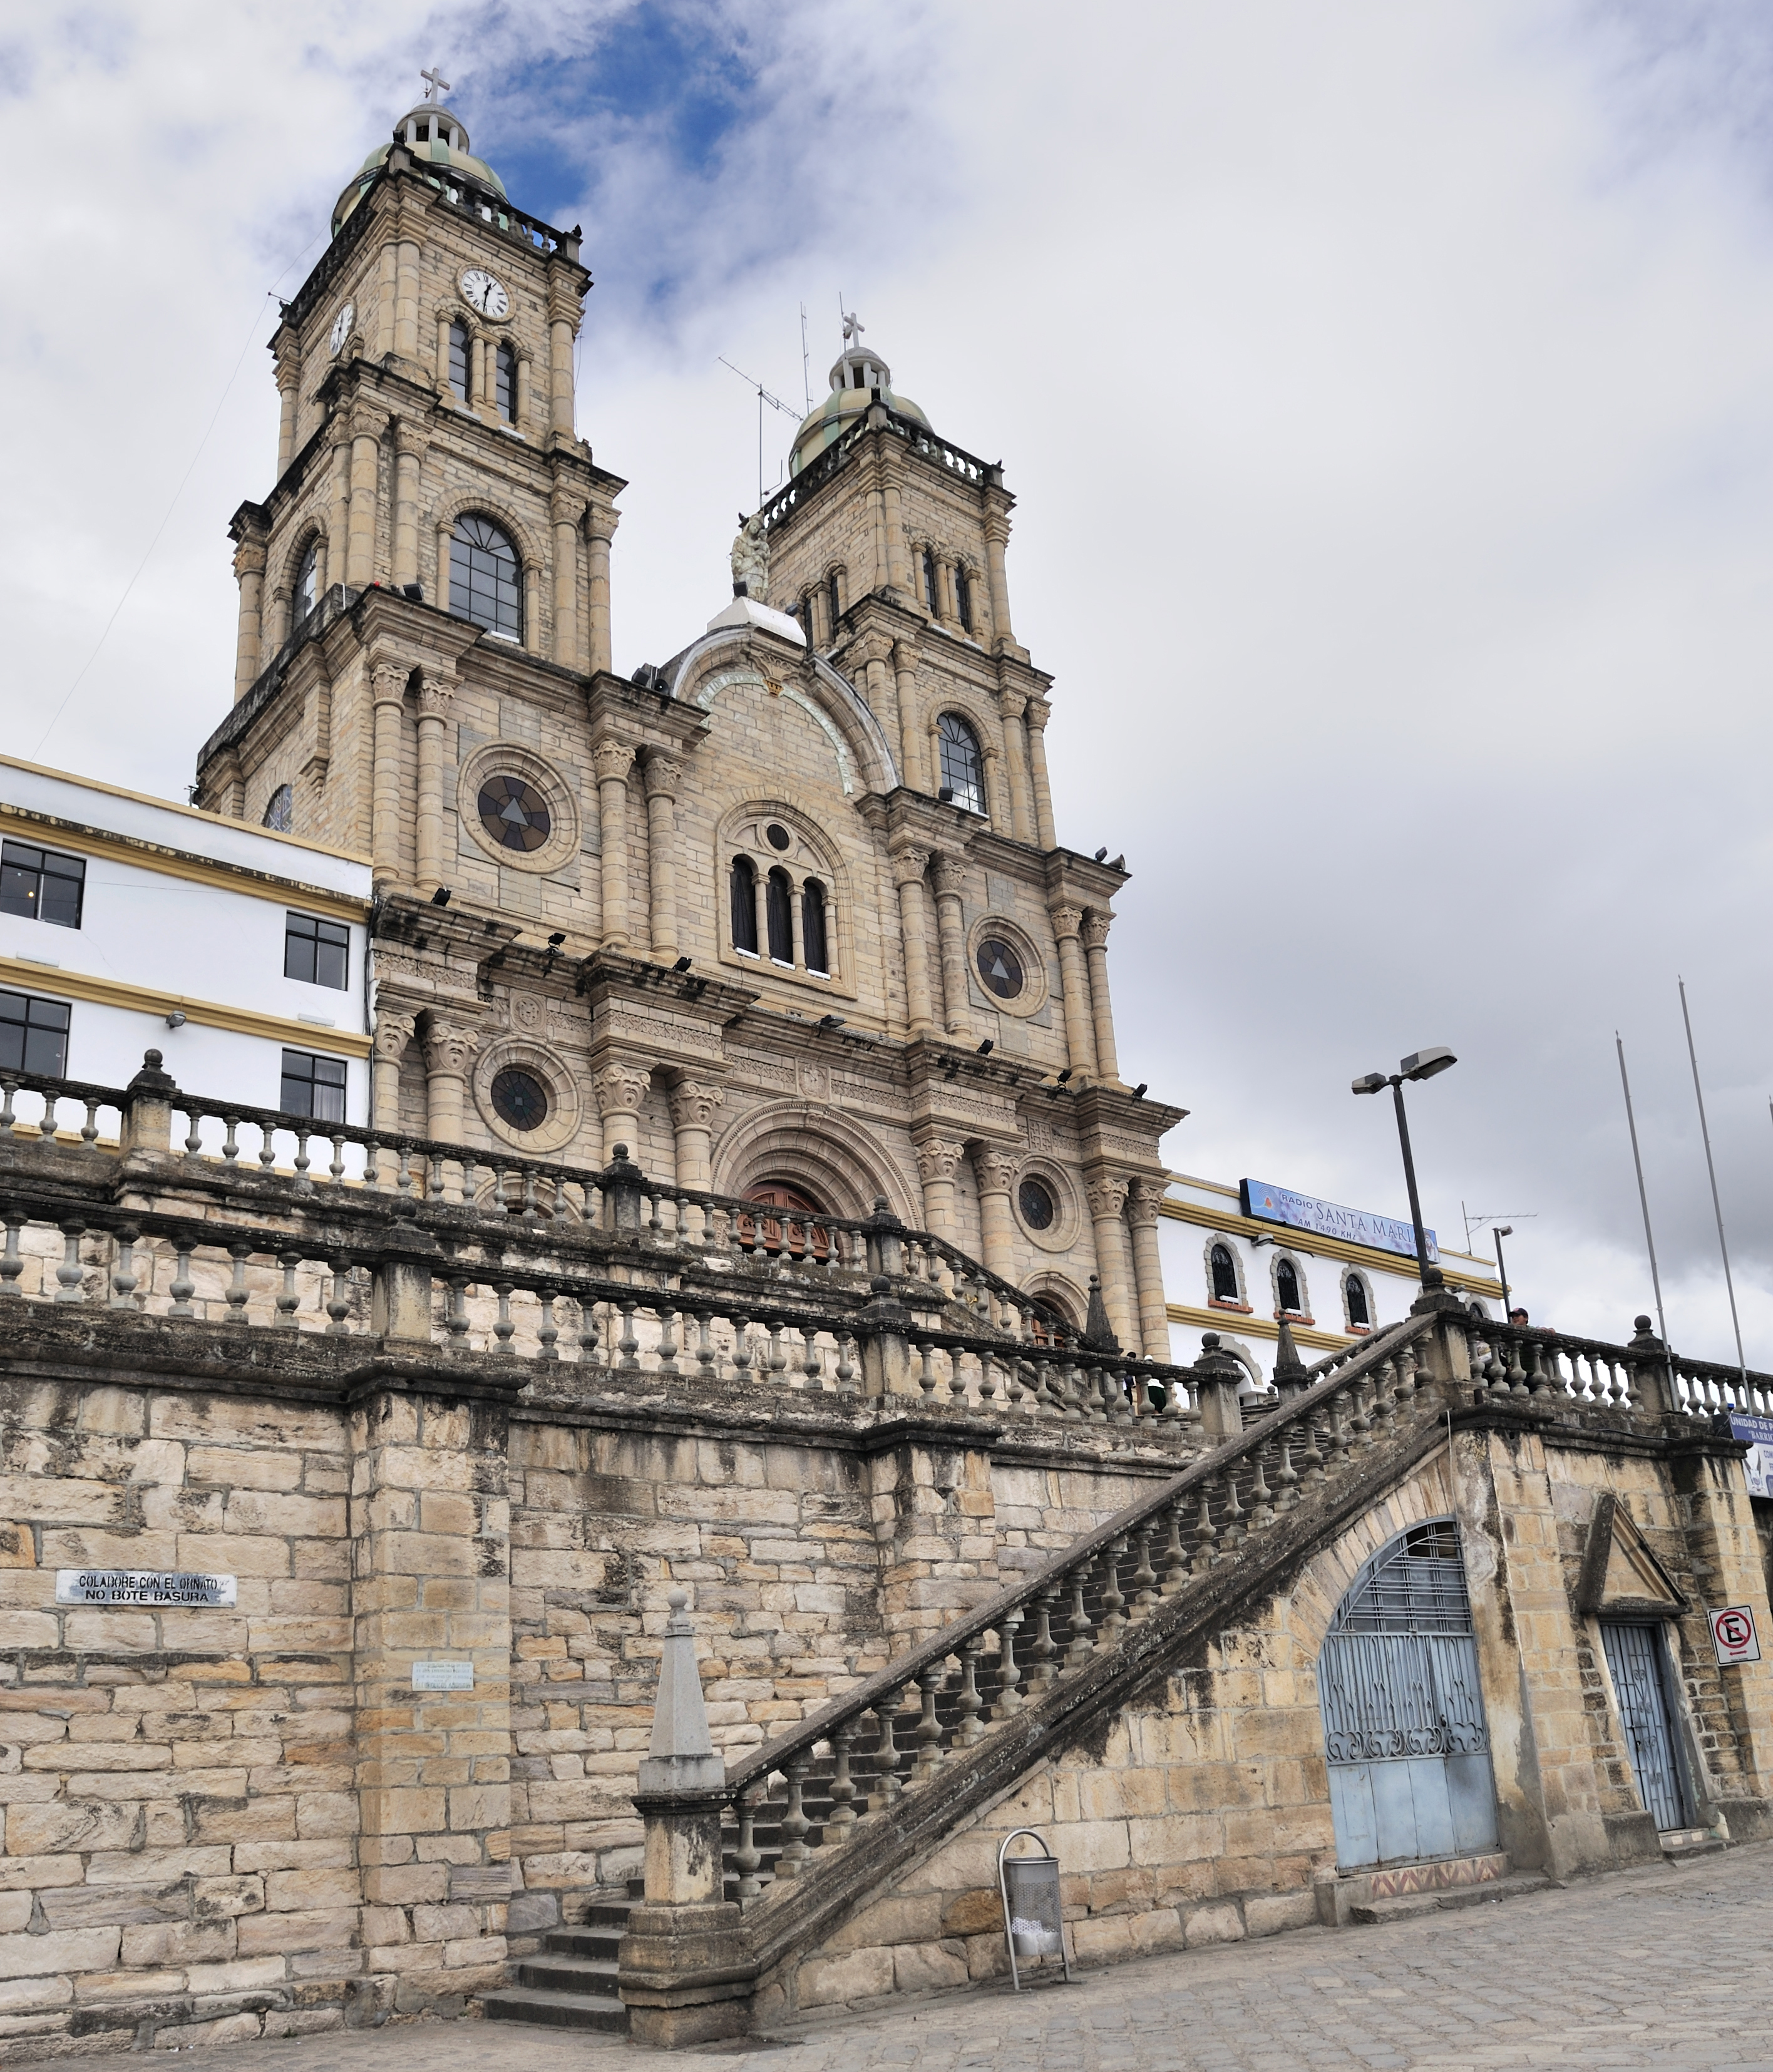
(751, 558)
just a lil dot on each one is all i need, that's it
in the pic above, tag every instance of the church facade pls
(788, 917)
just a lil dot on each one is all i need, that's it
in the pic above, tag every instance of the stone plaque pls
(443, 1675)
(192, 1590)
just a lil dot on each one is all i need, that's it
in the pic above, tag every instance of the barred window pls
(41, 884)
(307, 574)
(834, 598)
(313, 1087)
(962, 765)
(1286, 1284)
(1224, 1273)
(813, 926)
(33, 1034)
(1358, 1310)
(743, 888)
(963, 598)
(780, 908)
(458, 360)
(504, 383)
(485, 583)
(317, 952)
(932, 595)
(280, 810)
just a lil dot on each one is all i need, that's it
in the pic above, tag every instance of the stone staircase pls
(571, 1984)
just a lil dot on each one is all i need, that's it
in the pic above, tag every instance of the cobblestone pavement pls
(1659, 1967)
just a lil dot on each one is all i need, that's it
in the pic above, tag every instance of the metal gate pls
(1403, 1717)
(1634, 1655)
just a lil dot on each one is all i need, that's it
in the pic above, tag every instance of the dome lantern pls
(435, 139)
(858, 375)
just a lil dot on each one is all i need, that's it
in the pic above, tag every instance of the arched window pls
(834, 599)
(806, 617)
(813, 928)
(963, 598)
(307, 575)
(458, 359)
(1354, 1289)
(485, 585)
(1286, 1284)
(1224, 1273)
(779, 908)
(962, 765)
(280, 811)
(932, 595)
(504, 383)
(744, 898)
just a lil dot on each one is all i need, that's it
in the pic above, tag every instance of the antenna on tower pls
(806, 362)
(764, 397)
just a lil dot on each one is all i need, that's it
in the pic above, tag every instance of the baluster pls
(1043, 1386)
(1619, 1391)
(1517, 1374)
(372, 1163)
(68, 1274)
(930, 1753)
(1361, 1423)
(1144, 1576)
(925, 1377)
(46, 1128)
(1119, 1385)
(1010, 1697)
(1206, 1535)
(1287, 1475)
(741, 1349)
(776, 1360)
(846, 1365)
(841, 1824)
(236, 1293)
(194, 1138)
(403, 1170)
(747, 1857)
(1385, 1402)
(123, 1276)
(455, 1317)
(231, 1141)
(1175, 1557)
(434, 1176)
(502, 1327)
(88, 1129)
(288, 1300)
(706, 1358)
(12, 1262)
(668, 1341)
(182, 1288)
(8, 1120)
(1114, 1601)
(1046, 1648)
(339, 1306)
(588, 1353)
(1310, 1459)
(795, 1823)
(628, 1345)
(1261, 1496)
(988, 1385)
(1337, 1438)
(812, 1359)
(1409, 1378)
(971, 1728)
(1082, 1625)
(886, 1749)
(1236, 1532)
(1540, 1389)
(531, 1213)
(548, 1332)
(267, 1147)
(1073, 1392)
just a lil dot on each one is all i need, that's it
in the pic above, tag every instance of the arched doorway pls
(1403, 1716)
(792, 1230)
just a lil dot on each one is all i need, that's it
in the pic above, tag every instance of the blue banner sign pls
(1280, 1205)
(1758, 1432)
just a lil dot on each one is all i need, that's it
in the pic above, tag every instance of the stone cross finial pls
(680, 1754)
(853, 328)
(435, 83)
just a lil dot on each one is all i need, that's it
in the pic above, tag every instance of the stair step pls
(1409, 1905)
(603, 1913)
(1692, 1842)
(597, 2011)
(593, 1942)
(595, 1976)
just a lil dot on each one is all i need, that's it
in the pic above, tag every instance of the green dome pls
(434, 137)
(853, 380)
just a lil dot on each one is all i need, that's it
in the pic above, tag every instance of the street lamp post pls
(1419, 1065)
(1498, 1232)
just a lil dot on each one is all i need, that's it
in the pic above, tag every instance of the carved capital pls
(692, 1104)
(601, 521)
(621, 1089)
(436, 696)
(1037, 712)
(388, 682)
(871, 646)
(904, 655)
(410, 438)
(1141, 1203)
(1095, 929)
(449, 1049)
(950, 874)
(612, 760)
(393, 1032)
(996, 1170)
(909, 866)
(938, 1158)
(1107, 1197)
(249, 557)
(565, 508)
(1012, 703)
(663, 773)
(1067, 921)
(565, 305)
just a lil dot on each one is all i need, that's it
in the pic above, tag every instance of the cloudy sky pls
(1386, 389)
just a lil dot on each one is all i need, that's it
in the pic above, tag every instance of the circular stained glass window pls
(519, 1099)
(1034, 1199)
(777, 836)
(514, 813)
(1000, 968)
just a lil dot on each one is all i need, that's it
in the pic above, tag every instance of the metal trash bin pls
(1034, 1926)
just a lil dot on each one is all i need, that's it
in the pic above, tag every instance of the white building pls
(128, 923)
(1231, 1264)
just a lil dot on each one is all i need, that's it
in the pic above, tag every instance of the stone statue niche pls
(751, 558)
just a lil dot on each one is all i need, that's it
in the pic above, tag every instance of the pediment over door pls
(1621, 1575)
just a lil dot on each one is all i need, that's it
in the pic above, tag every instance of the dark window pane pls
(1039, 1209)
(1286, 1284)
(963, 599)
(305, 579)
(962, 765)
(40, 884)
(812, 925)
(1357, 1302)
(781, 918)
(458, 360)
(313, 1087)
(519, 1099)
(485, 582)
(64, 880)
(18, 888)
(332, 955)
(298, 947)
(1224, 1275)
(504, 379)
(836, 602)
(33, 1034)
(744, 896)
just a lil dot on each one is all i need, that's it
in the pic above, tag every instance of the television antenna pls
(764, 397)
(1475, 1225)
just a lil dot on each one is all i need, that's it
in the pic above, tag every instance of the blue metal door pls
(1633, 1657)
(1403, 1716)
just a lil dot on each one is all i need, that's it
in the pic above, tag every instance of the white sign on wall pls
(179, 1587)
(443, 1675)
(1734, 1636)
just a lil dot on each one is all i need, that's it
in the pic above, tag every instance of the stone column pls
(565, 511)
(873, 654)
(913, 762)
(520, 403)
(621, 1090)
(563, 314)
(249, 572)
(430, 1580)
(600, 523)
(449, 1052)
(477, 371)
(435, 698)
(393, 1032)
(693, 1106)
(1011, 705)
(1142, 1215)
(1107, 1197)
(388, 682)
(997, 539)
(663, 774)
(360, 532)
(440, 592)
(997, 803)
(899, 574)
(612, 760)
(950, 925)
(1037, 713)
(909, 866)
(937, 1159)
(381, 311)
(995, 1172)
(406, 300)
(1073, 984)
(409, 451)
(1093, 934)
(289, 395)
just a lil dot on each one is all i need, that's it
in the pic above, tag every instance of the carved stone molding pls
(249, 557)
(565, 509)
(1107, 1197)
(611, 759)
(997, 1171)
(950, 874)
(1037, 712)
(436, 697)
(393, 1032)
(692, 1104)
(621, 1089)
(388, 680)
(663, 773)
(939, 1158)
(1143, 1199)
(1094, 929)
(909, 866)
(449, 1048)
(1066, 920)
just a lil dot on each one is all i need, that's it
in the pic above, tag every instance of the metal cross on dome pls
(435, 82)
(853, 328)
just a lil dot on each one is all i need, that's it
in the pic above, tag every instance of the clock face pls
(485, 293)
(341, 326)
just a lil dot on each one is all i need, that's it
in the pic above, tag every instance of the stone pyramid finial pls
(1289, 1368)
(680, 1756)
(1098, 1332)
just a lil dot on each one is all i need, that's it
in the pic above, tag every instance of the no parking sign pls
(1732, 1635)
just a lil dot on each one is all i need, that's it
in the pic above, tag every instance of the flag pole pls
(1643, 1203)
(1711, 1174)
